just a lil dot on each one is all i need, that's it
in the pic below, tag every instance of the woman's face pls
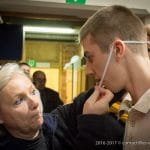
(20, 106)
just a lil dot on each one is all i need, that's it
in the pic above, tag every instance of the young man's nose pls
(88, 69)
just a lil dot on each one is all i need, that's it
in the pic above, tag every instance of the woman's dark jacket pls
(67, 129)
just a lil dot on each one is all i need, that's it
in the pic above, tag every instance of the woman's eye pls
(19, 101)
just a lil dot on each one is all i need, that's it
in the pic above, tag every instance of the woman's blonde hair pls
(7, 72)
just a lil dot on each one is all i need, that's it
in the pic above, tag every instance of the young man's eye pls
(89, 58)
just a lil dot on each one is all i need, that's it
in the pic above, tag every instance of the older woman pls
(20, 106)
(25, 128)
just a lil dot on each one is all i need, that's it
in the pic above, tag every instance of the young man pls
(115, 46)
(70, 127)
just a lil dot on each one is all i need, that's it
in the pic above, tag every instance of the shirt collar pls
(143, 104)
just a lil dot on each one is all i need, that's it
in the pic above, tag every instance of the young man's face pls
(96, 61)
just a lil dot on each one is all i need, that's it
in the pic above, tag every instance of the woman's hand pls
(98, 102)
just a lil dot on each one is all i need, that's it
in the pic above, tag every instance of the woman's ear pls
(119, 49)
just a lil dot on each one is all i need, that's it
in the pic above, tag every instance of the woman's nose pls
(33, 103)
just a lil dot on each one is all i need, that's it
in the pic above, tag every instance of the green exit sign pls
(31, 63)
(81, 2)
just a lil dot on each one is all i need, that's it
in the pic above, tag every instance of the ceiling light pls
(52, 30)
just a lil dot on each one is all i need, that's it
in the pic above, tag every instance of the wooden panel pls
(42, 51)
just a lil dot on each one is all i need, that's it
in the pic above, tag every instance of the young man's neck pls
(139, 80)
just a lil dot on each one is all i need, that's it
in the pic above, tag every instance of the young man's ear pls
(119, 49)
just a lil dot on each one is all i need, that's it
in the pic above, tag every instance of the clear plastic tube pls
(106, 66)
